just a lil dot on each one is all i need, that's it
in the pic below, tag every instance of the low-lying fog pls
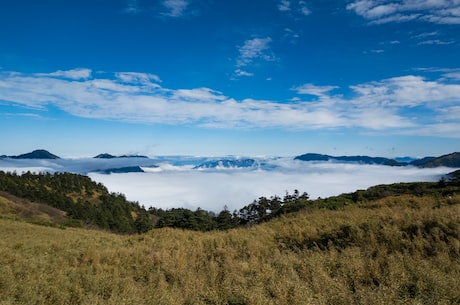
(212, 190)
(170, 182)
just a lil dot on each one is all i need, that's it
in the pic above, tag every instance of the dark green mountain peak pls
(36, 154)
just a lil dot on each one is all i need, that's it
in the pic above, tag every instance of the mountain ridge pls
(36, 154)
(358, 159)
(121, 170)
(448, 160)
(228, 163)
(109, 156)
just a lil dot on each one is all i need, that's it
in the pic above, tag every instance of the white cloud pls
(75, 74)
(385, 11)
(439, 129)
(311, 89)
(239, 72)
(303, 8)
(408, 91)
(22, 114)
(135, 77)
(424, 35)
(294, 7)
(447, 73)
(252, 49)
(435, 42)
(452, 112)
(429, 38)
(199, 95)
(385, 105)
(284, 5)
(256, 49)
(453, 75)
(175, 8)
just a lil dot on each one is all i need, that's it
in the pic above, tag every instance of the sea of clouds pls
(172, 182)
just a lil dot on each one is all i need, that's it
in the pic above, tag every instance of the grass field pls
(396, 250)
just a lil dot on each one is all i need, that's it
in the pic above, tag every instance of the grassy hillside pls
(19, 208)
(395, 250)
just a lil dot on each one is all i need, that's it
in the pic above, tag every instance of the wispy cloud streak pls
(385, 105)
(175, 8)
(386, 11)
(294, 6)
(256, 49)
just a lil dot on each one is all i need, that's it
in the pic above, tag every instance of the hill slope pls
(396, 250)
(19, 208)
(109, 156)
(450, 160)
(355, 159)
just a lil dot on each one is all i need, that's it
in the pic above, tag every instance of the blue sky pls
(215, 77)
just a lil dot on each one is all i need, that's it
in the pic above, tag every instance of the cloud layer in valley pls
(172, 182)
(212, 190)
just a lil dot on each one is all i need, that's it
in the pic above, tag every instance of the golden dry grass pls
(19, 208)
(398, 250)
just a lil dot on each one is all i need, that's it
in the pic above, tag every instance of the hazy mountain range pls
(449, 160)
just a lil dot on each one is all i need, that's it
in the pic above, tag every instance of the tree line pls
(260, 210)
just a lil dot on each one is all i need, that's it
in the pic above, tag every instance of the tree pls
(143, 222)
(225, 220)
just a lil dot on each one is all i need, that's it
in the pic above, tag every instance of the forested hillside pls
(84, 202)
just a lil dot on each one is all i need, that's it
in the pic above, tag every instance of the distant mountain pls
(228, 163)
(109, 156)
(122, 170)
(105, 156)
(450, 160)
(36, 154)
(405, 159)
(313, 157)
(420, 162)
(353, 159)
